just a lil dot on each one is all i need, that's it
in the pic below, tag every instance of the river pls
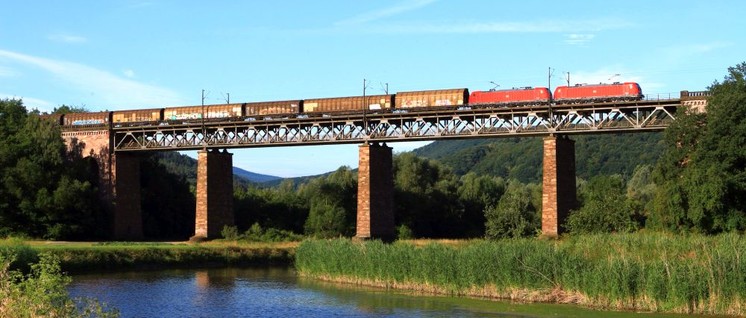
(278, 292)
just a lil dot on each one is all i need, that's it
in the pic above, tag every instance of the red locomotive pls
(511, 97)
(598, 93)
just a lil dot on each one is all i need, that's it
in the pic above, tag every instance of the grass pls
(642, 271)
(79, 256)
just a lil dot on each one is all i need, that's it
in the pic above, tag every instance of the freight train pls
(401, 101)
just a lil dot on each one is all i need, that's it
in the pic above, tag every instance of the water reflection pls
(277, 292)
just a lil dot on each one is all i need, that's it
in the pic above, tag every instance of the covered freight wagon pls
(431, 98)
(272, 108)
(347, 104)
(515, 96)
(598, 92)
(85, 119)
(196, 112)
(137, 116)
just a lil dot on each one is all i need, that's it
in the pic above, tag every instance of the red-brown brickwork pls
(214, 193)
(558, 189)
(375, 198)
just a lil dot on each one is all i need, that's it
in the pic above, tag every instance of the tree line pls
(697, 184)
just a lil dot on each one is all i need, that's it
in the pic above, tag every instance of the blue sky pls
(111, 55)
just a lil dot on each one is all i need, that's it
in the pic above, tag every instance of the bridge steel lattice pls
(401, 126)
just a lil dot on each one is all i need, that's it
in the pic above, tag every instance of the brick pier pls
(558, 191)
(375, 193)
(127, 218)
(214, 193)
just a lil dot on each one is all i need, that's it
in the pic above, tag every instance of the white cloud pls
(577, 39)
(31, 103)
(129, 73)
(7, 72)
(683, 53)
(112, 91)
(578, 27)
(67, 38)
(386, 12)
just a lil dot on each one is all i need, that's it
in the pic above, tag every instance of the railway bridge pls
(118, 151)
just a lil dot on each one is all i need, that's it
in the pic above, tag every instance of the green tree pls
(604, 209)
(476, 193)
(425, 195)
(44, 190)
(514, 215)
(333, 204)
(702, 174)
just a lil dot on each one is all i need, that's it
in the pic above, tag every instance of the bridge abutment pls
(558, 190)
(214, 193)
(118, 180)
(375, 193)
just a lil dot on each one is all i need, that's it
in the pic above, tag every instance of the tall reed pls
(642, 271)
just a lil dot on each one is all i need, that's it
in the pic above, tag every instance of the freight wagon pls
(511, 97)
(347, 104)
(218, 111)
(432, 98)
(598, 93)
(270, 109)
(86, 119)
(137, 116)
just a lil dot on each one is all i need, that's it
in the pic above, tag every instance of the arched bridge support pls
(214, 193)
(558, 190)
(375, 193)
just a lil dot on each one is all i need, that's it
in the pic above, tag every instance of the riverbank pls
(82, 256)
(643, 272)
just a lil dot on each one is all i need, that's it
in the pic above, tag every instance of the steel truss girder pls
(403, 126)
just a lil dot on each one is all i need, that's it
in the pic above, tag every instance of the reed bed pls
(87, 256)
(641, 271)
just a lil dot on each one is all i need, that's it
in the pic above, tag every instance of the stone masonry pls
(214, 193)
(375, 193)
(558, 189)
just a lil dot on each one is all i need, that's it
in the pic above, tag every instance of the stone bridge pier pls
(375, 193)
(214, 193)
(558, 189)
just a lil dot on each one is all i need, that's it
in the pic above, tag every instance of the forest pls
(689, 178)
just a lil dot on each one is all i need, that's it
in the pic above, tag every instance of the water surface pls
(278, 292)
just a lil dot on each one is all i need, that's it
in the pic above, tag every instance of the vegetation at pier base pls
(38, 289)
(640, 271)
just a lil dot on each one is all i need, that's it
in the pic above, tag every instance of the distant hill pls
(186, 166)
(254, 177)
(521, 158)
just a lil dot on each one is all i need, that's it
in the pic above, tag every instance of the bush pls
(42, 292)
